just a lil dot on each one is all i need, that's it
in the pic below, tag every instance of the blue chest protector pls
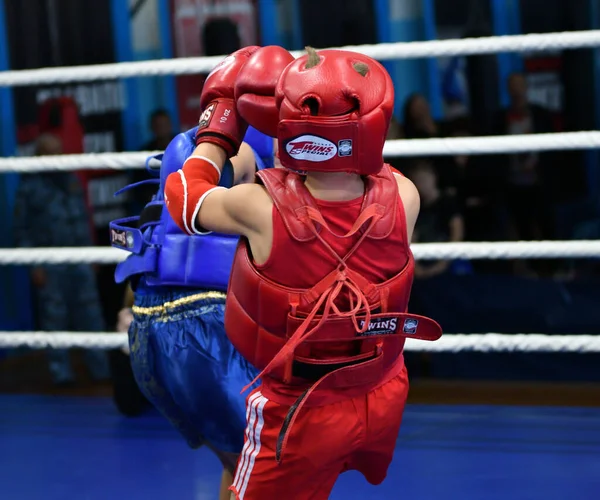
(160, 251)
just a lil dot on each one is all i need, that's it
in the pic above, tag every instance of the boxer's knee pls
(229, 460)
(226, 482)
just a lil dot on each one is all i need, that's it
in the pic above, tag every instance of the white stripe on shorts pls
(254, 417)
(250, 418)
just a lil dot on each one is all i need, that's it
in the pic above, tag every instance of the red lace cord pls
(328, 289)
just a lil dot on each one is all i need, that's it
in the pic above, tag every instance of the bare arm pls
(410, 200)
(233, 211)
(412, 204)
(128, 299)
(125, 316)
(244, 165)
(198, 205)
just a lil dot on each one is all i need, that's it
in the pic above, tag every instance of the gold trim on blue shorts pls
(164, 308)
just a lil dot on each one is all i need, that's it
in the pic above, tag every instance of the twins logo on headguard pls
(311, 148)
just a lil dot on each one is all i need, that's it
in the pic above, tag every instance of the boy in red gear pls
(320, 283)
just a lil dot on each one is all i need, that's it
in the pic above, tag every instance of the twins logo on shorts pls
(379, 326)
(206, 116)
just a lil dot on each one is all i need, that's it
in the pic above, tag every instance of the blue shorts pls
(186, 366)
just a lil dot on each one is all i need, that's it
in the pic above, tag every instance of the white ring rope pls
(96, 161)
(415, 147)
(504, 144)
(486, 342)
(381, 51)
(490, 342)
(421, 251)
(501, 342)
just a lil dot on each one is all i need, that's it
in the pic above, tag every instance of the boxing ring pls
(62, 448)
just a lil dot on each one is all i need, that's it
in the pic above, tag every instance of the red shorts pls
(358, 433)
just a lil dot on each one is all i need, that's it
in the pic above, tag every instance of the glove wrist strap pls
(221, 125)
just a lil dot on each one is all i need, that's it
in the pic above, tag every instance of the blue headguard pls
(160, 251)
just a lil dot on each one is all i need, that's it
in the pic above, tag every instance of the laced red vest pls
(276, 327)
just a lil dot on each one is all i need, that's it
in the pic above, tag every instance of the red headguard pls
(332, 118)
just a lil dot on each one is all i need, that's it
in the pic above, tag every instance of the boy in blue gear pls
(181, 357)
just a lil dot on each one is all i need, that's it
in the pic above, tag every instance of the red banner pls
(545, 85)
(190, 19)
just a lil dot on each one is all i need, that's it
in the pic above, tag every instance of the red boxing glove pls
(255, 88)
(220, 123)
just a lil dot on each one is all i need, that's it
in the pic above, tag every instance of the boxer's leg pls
(315, 455)
(187, 367)
(382, 411)
(200, 371)
(226, 482)
(86, 316)
(148, 366)
(210, 376)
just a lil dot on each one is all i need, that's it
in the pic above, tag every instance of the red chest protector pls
(278, 328)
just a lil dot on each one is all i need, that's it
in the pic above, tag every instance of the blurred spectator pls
(395, 130)
(527, 199)
(475, 180)
(162, 131)
(417, 120)
(419, 124)
(394, 133)
(50, 211)
(525, 190)
(439, 220)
